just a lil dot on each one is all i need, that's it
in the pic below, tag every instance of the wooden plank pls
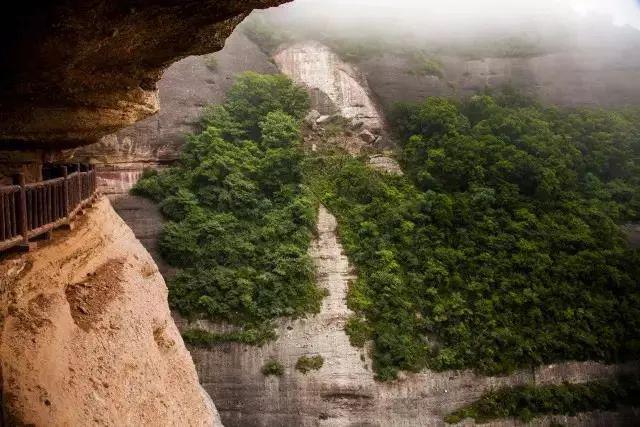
(14, 214)
(3, 219)
(56, 211)
(42, 208)
(65, 192)
(49, 203)
(23, 208)
(6, 213)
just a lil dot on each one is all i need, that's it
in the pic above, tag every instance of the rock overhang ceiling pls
(75, 70)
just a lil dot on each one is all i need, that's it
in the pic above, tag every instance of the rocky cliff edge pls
(87, 336)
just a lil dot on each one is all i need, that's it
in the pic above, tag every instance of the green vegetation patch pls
(239, 219)
(211, 61)
(500, 248)
(252, 336)
(358, 330)
(273, 367)
(422, 65)
(306, 364)
(527, 402)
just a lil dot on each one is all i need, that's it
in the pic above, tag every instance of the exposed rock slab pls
(385, 164)
(76, 70)
(327, 77)
(87, 337)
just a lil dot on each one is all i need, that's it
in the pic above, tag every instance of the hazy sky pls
(621, 12)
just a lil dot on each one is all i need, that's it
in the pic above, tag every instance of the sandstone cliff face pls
(185, 88)
(87, 336)
(75, 70)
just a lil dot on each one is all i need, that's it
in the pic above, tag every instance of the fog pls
(498, 12)
(546, 22)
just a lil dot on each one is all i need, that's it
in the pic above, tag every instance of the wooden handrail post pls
(65, 192)
(22, 215)
(79, 180)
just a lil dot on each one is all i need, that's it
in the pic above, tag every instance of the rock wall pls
(329, 78)
(185, 87)
(87, 337)
(588, 77)
(343, 392)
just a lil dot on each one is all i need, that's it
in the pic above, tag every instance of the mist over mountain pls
(549, 25)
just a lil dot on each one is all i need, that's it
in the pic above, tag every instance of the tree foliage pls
(239, 220)
(529, 401)
(501, 247)
(309, 363)
(273, 368)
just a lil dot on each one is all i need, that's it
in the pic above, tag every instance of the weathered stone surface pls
(587, 77)
(367, 136)
(86, 336)
(315, 66)
(75, 70)
(184, 89)
(385, 164)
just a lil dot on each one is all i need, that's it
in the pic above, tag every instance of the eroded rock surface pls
(87, 337)
(76, 70)
(185, 88)
(333, 84)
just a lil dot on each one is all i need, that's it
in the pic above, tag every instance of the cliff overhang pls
(76, 70)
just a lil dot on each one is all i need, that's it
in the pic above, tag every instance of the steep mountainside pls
(570, 78)
(184, 89)
(342, 391)
(335, 86)
(74, 71)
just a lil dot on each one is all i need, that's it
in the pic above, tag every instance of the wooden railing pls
(28, 211)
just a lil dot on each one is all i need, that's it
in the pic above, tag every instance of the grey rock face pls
(385, 164)
(585, 77)
(315, 66)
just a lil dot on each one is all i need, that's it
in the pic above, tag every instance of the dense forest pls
(240, 222)
(501, 247)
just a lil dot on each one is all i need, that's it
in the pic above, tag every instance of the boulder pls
(312, 117)
(367, 136)
(323, 119)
